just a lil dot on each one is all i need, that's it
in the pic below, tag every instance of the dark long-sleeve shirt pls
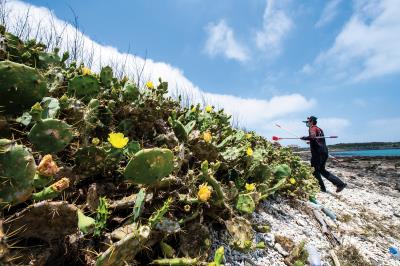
(317, 145)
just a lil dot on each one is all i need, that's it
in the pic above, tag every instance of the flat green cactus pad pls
(90, 161)
(149, 165)
(20, 87)
(84, 87)
(17, 170)
(50, 135)
(245, 203)
(106, 76)
(130, 91)
(282, 171)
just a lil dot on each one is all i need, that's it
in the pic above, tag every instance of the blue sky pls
(265, 61)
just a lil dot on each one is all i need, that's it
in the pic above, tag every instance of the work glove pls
(304, 138)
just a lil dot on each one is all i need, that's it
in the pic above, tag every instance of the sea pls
(372, 153)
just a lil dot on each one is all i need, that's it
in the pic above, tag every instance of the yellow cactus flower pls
(95, 141)
(209, 108)
(250, 187)
(292, 181)
(249, 151)
(86, 71)
(248, 136)
(149, 85)
(194, 109)
(204, 193)
(117, 140)
(207, 136)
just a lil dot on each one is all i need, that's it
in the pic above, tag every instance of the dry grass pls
(349, 255)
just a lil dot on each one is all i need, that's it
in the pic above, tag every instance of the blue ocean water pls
(386, 152)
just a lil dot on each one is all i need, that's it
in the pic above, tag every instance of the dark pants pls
(318, 161)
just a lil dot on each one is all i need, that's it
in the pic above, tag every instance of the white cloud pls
(221, 41)
(252, 112)
(329, 13)
(276, 25)
(368, 45)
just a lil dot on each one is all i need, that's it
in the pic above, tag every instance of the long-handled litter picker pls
(297, 137)
(322, 137)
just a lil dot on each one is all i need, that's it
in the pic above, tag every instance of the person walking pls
(319, 155)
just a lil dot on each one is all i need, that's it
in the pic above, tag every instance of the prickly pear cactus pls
(245, 203)
(130, 91)
(125, 249)
(17, 170)
(90, 161)
(47, 59)
(84, 87)
(149, 165)
(20, 87)
(282, 171)
(106, 76)
(50, 135)
(86, 224)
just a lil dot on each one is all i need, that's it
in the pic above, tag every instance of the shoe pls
(340, 188)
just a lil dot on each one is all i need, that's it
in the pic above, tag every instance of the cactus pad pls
(50, 135)
(84, 87)
(282, 171)
(106, 76)
(20, 87)
(245, 203)
(149, 165)
(130, 91)
(90, 161)
(17, 170)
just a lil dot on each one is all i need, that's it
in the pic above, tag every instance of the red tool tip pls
(275, 138)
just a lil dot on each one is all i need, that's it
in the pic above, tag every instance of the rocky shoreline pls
(367, 224)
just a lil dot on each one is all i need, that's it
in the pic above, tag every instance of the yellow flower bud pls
(248, 136)
(292, 181)
(187, 208)
(95, 141)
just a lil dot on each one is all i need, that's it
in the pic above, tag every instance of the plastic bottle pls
(395, 253)
(314, 258)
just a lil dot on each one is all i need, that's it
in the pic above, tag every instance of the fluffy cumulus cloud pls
(276, 25)
(367, 46)
(329, 13)
(221, 41)
(251, 112)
